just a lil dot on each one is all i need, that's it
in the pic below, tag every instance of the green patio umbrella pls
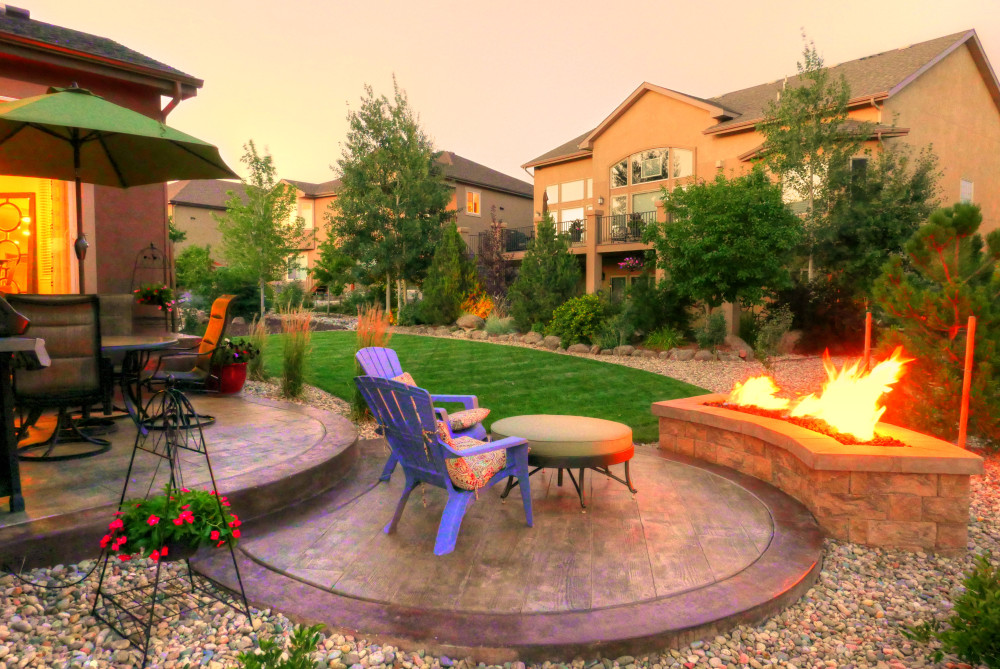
(74, 135)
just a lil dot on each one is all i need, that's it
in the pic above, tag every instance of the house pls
(478, 191)
(35, 55)
(602, 186)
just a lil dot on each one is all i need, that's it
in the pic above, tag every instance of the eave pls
(558, 159)
(751, 124)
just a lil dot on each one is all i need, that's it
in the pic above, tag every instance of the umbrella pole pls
(80, 246)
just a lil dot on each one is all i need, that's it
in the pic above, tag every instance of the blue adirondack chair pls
(407, 415)
(384, 363)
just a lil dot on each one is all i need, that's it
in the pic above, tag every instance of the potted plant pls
(154, 302)
(171, 526)
(158, 295)
(229, 365)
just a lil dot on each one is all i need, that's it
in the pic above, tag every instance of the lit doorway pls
(34, 236)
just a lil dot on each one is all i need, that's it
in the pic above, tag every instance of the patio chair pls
(384, 363)
(78, 376)
(428, 453)
(192, 369)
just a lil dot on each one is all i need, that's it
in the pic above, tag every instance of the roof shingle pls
(205, 193)
(463, 170)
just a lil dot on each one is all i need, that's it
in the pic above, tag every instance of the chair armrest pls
(469, 401)
(490, 446)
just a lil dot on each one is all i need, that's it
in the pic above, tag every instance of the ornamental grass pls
(295, 325)
(258, 337)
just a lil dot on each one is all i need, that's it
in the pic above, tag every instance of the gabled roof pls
(203, 193)
(18, 29)
(870, 78)
(462, 170)
(316, 190)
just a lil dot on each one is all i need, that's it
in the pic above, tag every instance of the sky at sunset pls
(496, 82)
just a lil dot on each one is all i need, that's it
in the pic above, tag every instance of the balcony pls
(512, 240)
(623, 228)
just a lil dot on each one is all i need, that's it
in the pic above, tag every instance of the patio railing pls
(623, 228)
(511, 239)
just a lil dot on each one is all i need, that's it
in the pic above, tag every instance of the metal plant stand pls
(146, 595)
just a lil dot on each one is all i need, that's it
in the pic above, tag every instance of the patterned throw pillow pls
(463, 420)
(473, 472)
(405, 378)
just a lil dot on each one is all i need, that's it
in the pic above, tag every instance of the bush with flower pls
(183, 518)
(631, 264)
(156, 294)
(234, 351)
(477, 302)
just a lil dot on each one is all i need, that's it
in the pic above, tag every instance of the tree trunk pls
(260, 285)
(388, 293)
(400, 294)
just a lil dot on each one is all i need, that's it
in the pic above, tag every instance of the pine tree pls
(548, 277)
(450, 277)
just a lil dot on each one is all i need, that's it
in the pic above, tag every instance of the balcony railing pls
(511, 240)
(575, 232)
(623, 228)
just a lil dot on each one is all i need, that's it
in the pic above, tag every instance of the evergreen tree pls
(450, 277)
(261, 234)
(950, 278)
(548, 277)
(393, 201)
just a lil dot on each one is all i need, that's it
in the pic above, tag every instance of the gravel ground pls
(852, 617)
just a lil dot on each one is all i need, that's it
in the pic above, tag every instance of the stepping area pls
(697, 549)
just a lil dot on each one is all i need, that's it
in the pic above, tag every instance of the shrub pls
(829, 314)
(295, 327)
(477, 302)
(713, 333)
(357, 300)
(258, 338)
(190, 324)
(750, 323)
(772, 328)
(615, 331)
(973, 630)
(303, 643)
(497, 325)
(292, 295)
(651, 306)
(665, 339)
(449, 278)
(410, 313)
(578, 319)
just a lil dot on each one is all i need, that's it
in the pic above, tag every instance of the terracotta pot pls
(230, 378)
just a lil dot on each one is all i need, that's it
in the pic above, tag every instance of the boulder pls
(789, 341)
(579, 348)
(470, 322)
(664, 355)
(560, 349)
(740, 347)
(478, 334)
(238, 320)
(533, 338)
(595, 349)
(551, 342)
(729, 356)
(648, 354)
(625, 350)
(607, 351)
(682, 354)
(704, 355)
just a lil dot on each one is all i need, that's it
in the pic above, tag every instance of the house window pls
(590, 189)
(572, 190)
(619, 174)
(552, 193)
(649, 166)
(619, 205)
(306, 212)
(642, 202)
(681, 163)
(298, 268)
(472, 202)
(965, 191)
(572, 223)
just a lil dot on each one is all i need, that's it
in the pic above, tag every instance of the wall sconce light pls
(600, 199)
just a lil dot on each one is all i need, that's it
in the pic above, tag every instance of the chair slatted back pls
(407, 417)
(218, 321)
(71, 328)
(378, 361)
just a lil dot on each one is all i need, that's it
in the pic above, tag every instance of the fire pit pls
(912, 494)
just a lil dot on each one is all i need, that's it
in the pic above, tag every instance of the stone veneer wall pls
(914, 511)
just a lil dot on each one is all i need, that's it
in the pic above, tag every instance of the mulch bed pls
(814, 424)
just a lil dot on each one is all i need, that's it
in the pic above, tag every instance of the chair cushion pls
(463, 420)
(405, 378)
(475, 471)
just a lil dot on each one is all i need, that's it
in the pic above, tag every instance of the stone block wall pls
(914, 511)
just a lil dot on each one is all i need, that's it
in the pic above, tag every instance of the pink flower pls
(236, 534)
(116, 524)
(215, 535)
(105, 540)
(178, 521)
(185, 490)
(153, 520)
(124, 557)
(155, 556)
(220, 543)
(163, 552)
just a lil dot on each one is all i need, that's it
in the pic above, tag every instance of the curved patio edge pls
(71, 537)
(783, 573)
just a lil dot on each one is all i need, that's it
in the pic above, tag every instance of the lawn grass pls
(509, 380)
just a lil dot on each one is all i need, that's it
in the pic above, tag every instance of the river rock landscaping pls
(854, 615)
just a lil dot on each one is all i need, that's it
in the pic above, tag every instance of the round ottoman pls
(571, 442)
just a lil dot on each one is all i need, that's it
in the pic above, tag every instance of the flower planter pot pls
(229, 379)
(149, 319)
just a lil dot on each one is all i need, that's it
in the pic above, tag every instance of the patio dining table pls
(137, 350)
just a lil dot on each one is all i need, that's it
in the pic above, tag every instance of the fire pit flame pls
(849, 401)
